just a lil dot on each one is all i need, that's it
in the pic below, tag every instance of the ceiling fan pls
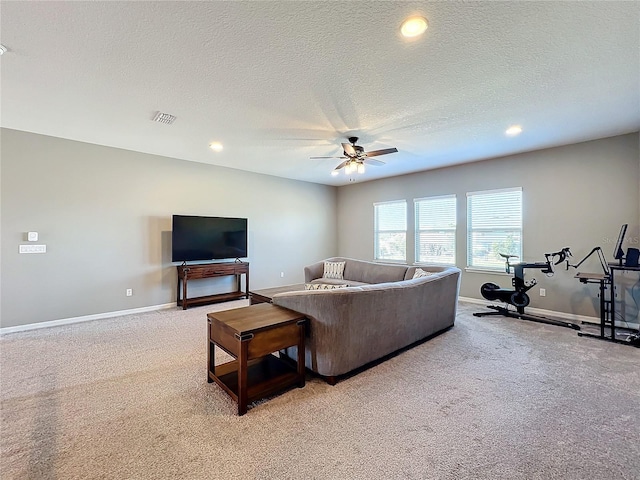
(355, 157)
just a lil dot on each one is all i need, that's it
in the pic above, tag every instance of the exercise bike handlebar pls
(562, 256)
(546, 266)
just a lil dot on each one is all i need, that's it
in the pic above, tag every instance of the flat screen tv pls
(208, 238)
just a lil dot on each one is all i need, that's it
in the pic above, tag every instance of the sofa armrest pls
(330, 328)
(313, 271)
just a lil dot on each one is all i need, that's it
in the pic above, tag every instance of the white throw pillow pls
(322, 286)
(421, 273)
(334, 270)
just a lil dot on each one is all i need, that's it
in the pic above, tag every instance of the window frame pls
(473, 265)
(418, 230)
(376, 232)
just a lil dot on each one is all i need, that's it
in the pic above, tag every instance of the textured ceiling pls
(278, 82)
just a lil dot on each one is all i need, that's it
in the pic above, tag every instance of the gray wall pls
(577, 196)
(105, 216)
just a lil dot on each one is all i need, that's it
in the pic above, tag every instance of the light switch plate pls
(32, 236)
(33, 249)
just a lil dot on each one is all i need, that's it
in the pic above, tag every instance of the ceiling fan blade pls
(315, 158)
(342, 164)
(375, 153)
(374, 162)
(349, 150)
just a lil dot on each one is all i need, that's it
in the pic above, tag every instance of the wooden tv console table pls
(211, 270)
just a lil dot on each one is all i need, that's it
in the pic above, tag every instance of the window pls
(436, 230)
(390, 224)
(494, 225)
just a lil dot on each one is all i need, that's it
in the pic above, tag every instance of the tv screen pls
(618, 252)
(208, 238)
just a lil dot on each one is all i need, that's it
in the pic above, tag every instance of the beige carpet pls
(492, 398)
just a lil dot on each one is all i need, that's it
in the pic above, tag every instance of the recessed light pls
(514, 130)
(3, 49)
(414, 27)
(216, 146)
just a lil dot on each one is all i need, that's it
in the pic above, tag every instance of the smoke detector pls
(164, 118)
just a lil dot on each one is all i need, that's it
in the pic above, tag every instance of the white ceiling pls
(278, 82)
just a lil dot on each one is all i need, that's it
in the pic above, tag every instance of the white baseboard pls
(98, 316)
(572, 317)
(84, 318)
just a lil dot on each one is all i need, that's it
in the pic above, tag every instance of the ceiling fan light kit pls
(354, 166)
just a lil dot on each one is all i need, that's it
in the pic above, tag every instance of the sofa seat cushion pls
(336, 281)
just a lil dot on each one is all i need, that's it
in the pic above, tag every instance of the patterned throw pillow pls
(334, 270)
(322, 286)
(421, 273)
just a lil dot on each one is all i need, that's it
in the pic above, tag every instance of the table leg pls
(211, 361)
(603, 313)
(612, 320)
(211, 355)
(184, 292)
(301, 359)
(242, 377)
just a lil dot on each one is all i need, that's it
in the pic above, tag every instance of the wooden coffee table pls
(266, 295)
(251, 334)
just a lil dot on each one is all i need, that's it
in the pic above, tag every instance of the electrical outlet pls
(129, 292)
(281, 274)
(543, 292)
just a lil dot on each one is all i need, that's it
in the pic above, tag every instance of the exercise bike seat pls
(507, 257)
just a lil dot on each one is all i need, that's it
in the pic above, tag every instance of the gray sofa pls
(382, 310)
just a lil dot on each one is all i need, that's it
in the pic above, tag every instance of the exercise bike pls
(517, 296)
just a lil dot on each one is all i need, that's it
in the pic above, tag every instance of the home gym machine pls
(517, 296)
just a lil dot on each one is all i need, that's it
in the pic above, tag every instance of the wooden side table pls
(211, 270)
(251, 334)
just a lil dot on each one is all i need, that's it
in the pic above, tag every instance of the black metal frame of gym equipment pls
(518, 296)
(606, 283)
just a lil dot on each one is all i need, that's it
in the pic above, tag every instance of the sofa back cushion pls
(431, 269)
(369, 272)
(334, 270)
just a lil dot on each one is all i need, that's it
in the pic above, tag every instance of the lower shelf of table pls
(265, 376)
(217, 298)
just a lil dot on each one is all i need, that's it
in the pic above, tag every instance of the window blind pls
(435, 229)
(494, 226)
(390, 225)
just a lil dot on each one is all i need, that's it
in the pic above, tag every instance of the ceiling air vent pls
(164, 118)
